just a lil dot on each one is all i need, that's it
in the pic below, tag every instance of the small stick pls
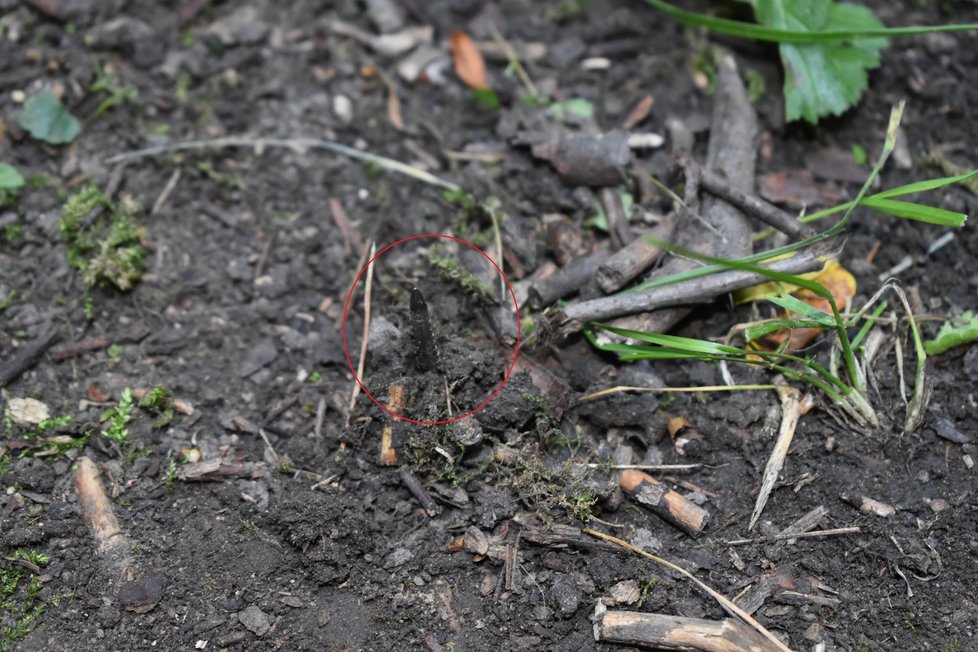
(646, 467)
(165, 193)
(667, 390)
(25, 358)
(569, 278)
(637, 256)
(263, 257)
(395, 403)
(366, 333)
(669, 504)
(724, 602)
(351, 239)
(417, 489)
(425, 355)
(770, 214)
(514, 60)
(320, 416)
(790, 413)
(111, 542)
(676, 633)
(614, 212)
(701, 290)
(815, 534)
(295, 144)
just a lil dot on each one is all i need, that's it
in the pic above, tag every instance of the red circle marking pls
(346, 349)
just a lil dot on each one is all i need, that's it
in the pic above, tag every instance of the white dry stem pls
(295, 144)
(790, 413)
(368, 289)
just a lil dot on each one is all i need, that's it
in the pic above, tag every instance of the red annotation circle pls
(346, 350)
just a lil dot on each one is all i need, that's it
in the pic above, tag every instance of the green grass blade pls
(770, 34)
(673, 341)
(918, 212)
(758, 331)
(924, 186)
(793, 304)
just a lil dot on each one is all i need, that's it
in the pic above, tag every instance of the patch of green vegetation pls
(53, 423)
(117, 419)
(114, 352)
(13, 231)
(954, 332)
(116, 93)
(908, 623)
(220, 178)
(20, 606)
(539, 402)
(5, 459)
(159, 401)
(755, 85)
(7, 300)
(104, 241)
(11, 182)
(645, 589)
(455, 272)
(314, 378)
(859, 156)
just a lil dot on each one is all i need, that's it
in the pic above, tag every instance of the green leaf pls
(576, 107)
(47, 119)
(10, 178)
(953, 333)
(822, 78)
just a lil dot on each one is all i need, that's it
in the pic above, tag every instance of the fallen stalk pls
(296, 144)
(752, 205)
(570, 318)
(667, 390)
(729, 606)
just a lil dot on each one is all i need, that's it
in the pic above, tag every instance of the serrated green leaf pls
(953, 333)
(10, 178)
(47, 119)
(822, 79)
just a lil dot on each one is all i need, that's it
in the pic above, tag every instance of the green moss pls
(20, 605)
(453, 270)
(104, 245)
(159, 401)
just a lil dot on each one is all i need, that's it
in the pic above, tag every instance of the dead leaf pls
(97, 395)
(27, 411)
(469, 64)
(797, 188)
(840, 283)
(676, 424)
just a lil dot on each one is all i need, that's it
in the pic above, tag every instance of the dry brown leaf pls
(676, 424)
(469, 64)
(837, 280)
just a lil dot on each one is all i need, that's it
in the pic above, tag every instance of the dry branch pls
(702, 290)
(725, 232)
(674, 633)
(669, 504)
(395, 403)
(633, 259)
(110, 541)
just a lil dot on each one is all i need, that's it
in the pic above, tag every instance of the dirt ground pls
(297, 538)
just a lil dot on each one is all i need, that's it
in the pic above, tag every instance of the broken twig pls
(675, 633)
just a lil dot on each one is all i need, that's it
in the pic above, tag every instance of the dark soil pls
(310, 544)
